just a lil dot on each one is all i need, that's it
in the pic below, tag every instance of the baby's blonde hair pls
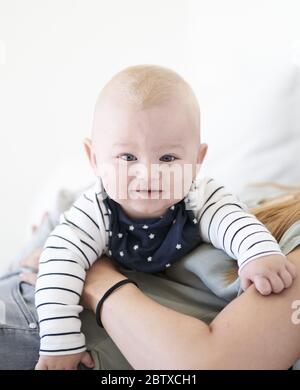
(149, 85)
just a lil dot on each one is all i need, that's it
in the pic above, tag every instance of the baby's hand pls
(268, 273)
(64, 362)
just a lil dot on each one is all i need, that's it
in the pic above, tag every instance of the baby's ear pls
(202, 153)
(87, 142)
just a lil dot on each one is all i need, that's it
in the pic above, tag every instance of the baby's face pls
(147, 158)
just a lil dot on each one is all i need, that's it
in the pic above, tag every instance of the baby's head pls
(146, 139)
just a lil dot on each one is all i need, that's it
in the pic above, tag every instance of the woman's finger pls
(28, 277)
(32, 260)
(35, 226)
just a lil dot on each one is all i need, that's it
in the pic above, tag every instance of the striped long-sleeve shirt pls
(85, 233)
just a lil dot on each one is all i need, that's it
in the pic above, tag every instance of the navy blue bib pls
(151, 244)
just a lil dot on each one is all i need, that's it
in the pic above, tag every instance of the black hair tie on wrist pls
(108, 292)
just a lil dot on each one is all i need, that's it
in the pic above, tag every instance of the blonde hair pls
(149, 85)
(277, 214)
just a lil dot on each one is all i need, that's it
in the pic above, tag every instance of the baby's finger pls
(87, 360)
(262, 284)
(291, 269)
(245, 283)
(276, 283)
(40, 366)
(286, 278)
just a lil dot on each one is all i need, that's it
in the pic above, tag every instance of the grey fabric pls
(19, 338)
(291, 238)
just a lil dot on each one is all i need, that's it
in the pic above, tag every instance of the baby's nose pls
(143, 170)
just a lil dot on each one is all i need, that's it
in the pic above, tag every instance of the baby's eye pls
(168, 158)
(128, 157)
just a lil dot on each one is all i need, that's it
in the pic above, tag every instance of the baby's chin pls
(140, 213)
(145, 208)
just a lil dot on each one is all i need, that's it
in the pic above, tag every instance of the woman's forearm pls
(253, 331)
(150, 335)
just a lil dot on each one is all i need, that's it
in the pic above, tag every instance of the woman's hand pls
(99, 278)
(31, 262)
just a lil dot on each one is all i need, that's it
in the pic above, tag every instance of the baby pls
(148, 208)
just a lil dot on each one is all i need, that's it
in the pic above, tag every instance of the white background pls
(241, 57)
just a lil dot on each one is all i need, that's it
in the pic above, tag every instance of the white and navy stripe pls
(71, 248)
(225, 222)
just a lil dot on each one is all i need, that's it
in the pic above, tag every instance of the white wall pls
(56, 55)
(246, 69)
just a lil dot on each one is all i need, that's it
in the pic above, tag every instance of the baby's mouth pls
(149, 192)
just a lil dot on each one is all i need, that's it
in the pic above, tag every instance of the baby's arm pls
(71, 248)
(224, 222)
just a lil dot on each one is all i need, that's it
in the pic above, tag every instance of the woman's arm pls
(252, 332)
